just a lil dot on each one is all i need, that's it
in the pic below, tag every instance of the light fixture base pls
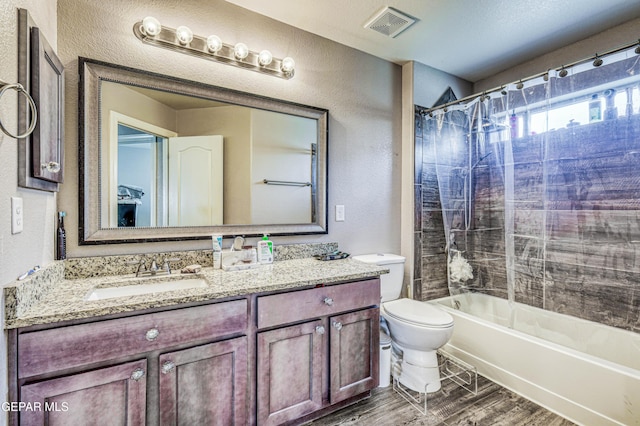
(167, 38)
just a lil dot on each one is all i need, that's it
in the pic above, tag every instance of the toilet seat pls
(418, 313)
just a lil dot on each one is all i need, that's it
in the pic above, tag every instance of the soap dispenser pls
(61, 237)
(265, 250)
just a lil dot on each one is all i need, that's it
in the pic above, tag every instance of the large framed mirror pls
(162, 158)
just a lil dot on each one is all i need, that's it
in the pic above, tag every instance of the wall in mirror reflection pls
(173, 160)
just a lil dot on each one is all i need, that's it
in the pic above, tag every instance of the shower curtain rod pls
(424, 110)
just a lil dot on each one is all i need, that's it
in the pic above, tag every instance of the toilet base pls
(420, 371)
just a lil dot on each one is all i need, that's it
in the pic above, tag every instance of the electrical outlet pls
(339, 213)
(17, 215)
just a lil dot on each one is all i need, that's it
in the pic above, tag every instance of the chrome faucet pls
(153, 267)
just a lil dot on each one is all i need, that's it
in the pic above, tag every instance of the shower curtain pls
(534, 180)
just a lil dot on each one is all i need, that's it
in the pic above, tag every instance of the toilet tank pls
(391, 283)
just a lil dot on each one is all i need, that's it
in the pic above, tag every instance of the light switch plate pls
(339, 213)
(17, 215)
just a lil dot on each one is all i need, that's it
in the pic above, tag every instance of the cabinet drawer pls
(55, 349)
(300, 305)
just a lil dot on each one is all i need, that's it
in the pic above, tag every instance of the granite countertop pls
(66, 299)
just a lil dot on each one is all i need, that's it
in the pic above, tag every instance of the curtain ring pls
(34, 114)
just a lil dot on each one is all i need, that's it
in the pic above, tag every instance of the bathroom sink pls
(127, 289)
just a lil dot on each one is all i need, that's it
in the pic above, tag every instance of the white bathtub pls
(582, 370)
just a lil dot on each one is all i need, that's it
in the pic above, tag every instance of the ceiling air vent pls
(390, 22)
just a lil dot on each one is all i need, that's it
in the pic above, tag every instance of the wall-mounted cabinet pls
(40, 154)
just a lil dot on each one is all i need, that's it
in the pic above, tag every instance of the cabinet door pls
(289, 372)
(107, 396)
(354, 353)
(205, 385)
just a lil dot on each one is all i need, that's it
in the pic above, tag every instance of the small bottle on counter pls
(62, 237)
(216, 241)
(265, 250)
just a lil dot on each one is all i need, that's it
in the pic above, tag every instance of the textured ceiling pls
(472, 39)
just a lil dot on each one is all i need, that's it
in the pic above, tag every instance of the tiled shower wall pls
(576, 230)
(430, 267)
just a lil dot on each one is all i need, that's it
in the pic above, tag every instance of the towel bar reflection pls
(34, 114)
(285, 183)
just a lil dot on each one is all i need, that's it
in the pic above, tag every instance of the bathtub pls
(586, 372)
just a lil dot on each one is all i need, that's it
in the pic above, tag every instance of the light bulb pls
(241, 51)
(184, 34)
(214, 44)
(151, 26)
(264, 58)
(287, 66)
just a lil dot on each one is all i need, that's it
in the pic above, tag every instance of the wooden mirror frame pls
(92, 72)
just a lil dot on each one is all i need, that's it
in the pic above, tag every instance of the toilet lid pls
(416, 312)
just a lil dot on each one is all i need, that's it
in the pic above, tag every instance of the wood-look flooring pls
(492, 406)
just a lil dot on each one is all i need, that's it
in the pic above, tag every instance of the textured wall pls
(598, 43)
(361, 92)
(35, 245)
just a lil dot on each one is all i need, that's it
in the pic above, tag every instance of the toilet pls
(418, 329)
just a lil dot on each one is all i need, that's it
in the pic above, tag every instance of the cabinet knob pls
(320, 329)
(337, 325)
(328, 301)
(167, 367)
(152, 334)
(137, 374)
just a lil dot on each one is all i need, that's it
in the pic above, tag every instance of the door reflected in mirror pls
(175, 181)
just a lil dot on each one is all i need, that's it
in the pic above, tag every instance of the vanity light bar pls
(182, 40)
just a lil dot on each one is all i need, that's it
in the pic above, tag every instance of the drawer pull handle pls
(328, 301)
(320, 329)
(137, 374)
(167, 367)
(337, 325)
(152, 334)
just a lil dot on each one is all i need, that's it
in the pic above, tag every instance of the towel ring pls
(34, 114)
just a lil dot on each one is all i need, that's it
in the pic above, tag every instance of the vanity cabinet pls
(266, 359)
(155, 368)
(315, 348)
